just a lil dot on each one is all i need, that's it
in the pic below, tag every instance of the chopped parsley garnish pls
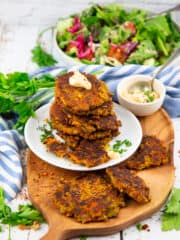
(121, 146)
(139, 226)
(83, 238)
(149, 95)
(46, 130)
(171, 214)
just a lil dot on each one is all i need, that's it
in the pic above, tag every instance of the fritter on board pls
(89, 198)
(151, 152)
(127, 182)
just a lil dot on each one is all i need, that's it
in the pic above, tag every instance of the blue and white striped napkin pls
(11, 142)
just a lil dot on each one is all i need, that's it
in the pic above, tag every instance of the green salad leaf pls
(64, 24)
(145, 50)
(64, 39)
(158, 25)
(112, 25)
(118, 34)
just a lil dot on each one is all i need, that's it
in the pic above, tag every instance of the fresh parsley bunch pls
(21, 94)
(26, 215)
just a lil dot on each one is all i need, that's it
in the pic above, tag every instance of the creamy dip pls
(140, 94)
(79, 80)
(113, 155)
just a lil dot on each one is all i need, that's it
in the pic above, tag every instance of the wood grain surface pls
(42, 179)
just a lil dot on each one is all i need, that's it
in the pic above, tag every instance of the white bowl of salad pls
(136, 94)
(111, 35)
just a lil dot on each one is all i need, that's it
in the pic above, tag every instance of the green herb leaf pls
(46, 130)
(4, 209)
(83, 238)
(41, 57)
(17, 94)
(26, 215)
(139, 226)
(171, 215)
(121, 146)
(170, 222)
(149, 95)
(173, 206)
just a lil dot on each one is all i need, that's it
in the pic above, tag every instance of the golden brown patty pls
(88, 198)
(89, 154)
(152, 152)
(102, 110)
(69, 124)
(79, 99)
(127, 182)
(56, 147)
(69, 130)
(71, 141)
(85, 123)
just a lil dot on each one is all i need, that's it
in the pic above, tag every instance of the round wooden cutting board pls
(42, 178)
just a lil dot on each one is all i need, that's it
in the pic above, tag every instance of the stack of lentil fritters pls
(84, 119)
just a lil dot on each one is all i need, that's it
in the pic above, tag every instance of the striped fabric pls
(11, 142)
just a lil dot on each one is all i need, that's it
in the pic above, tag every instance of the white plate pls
(130, 129)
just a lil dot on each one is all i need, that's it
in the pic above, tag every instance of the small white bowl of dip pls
(135, 94)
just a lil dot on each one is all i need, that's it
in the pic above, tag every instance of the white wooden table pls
(20, 22)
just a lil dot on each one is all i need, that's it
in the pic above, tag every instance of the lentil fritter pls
(151, 152)
(85, 123)
(79, 99)
(90, 127)
(88, 198)
(103, 110)
(128, 182)
(89, 154)
(56, 147)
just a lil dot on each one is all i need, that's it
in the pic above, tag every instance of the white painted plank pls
(153, 233)
(15, 49)
(48, 11)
